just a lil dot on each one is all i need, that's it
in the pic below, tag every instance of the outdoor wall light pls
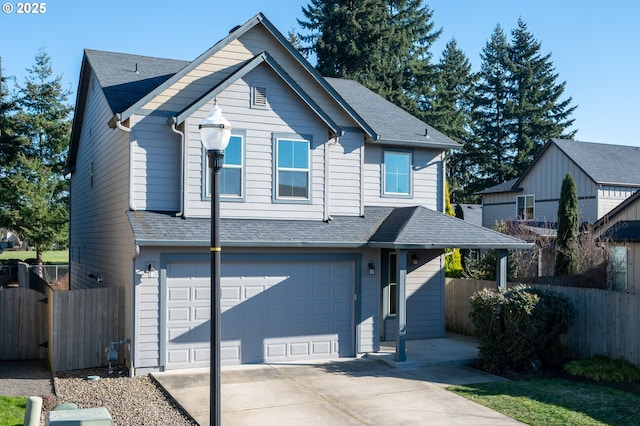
(372, 269)
(151, 271)
(414, 259)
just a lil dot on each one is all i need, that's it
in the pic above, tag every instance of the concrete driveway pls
(343, 392)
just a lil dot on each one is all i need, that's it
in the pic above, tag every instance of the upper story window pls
(292, 171)
(525, 207)
(232, 173)
(397, 176)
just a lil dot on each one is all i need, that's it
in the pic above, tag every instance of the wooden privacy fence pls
(82, 324)
(606, 323)
(23, 324)
(457, 307)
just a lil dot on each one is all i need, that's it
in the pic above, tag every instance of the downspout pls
(132, 344)
(174, 129)
(327, 181)
(120, 126)
(362, 152)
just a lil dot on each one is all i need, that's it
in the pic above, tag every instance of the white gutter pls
(174, 129)
(120, 126)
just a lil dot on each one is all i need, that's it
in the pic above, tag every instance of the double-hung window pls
(525, 206)
(232, 172)
(292, 171)
(618, 268)
(396, 177)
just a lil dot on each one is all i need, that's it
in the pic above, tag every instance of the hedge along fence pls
(606, 322)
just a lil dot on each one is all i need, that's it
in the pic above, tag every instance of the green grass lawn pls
(12, 410)
(556, 401)
(58, 257)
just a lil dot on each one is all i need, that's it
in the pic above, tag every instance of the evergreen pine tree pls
(383, 44)
(538, 113)
(449, 111)
(37, 206)
(517, 108)
(567, 254)
(491, 151)
(9, 147)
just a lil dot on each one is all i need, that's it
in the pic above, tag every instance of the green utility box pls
(83, 417)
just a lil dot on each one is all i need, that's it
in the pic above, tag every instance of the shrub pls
(603, 368)
(519, 329)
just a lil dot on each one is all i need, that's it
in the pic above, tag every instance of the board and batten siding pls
(427, 178)
(544, 180)
(101, 241)
(156, 165)
(609, 197)
(629, 213)
(286, 115)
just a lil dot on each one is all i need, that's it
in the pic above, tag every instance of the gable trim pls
(234, 34)
(539, 156)
(264, 57)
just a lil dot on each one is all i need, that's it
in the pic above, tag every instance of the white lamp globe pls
(215, 130)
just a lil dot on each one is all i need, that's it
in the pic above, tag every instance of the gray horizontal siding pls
(100, 238)
(345, 192)
(286, 115)
(427, 179)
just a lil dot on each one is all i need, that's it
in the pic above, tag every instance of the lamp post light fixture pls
(215, 132)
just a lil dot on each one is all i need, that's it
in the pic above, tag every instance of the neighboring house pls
(605, 175)
(330, 207)
(620, 229)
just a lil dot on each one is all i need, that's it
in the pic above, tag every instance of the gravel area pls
(131, 401)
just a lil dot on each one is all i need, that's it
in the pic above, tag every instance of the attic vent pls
(259, 97)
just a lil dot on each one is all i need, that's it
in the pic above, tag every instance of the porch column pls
(501, 269)
(401, 305)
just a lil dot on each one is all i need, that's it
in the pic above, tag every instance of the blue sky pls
(593, 44)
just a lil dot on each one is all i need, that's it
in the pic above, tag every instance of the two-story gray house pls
(331, 206)
(605, 175)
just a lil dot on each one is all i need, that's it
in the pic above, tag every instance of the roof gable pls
(263, 58)
(174, 84)
(606, 164)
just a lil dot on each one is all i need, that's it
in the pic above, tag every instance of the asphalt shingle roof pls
(388, 227)
(506, 186)
(126, 78)
(604, 163)
(390, 122)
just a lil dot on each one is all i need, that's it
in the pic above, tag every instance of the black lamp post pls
(215, 132)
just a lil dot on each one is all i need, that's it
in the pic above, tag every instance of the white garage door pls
(271, 311)
(187, 315)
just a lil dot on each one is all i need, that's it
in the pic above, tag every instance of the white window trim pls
(207, 171)
(533, 207)
(383, 191)
(277, 198)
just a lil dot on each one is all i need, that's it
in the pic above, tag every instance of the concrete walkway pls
(339, 392)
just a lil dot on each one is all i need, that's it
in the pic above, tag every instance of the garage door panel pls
(271, 311)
